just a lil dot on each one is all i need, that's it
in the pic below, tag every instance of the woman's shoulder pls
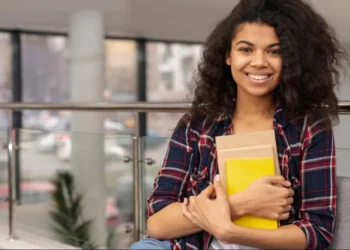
(198, 127)
(307, 126)
(189, 121)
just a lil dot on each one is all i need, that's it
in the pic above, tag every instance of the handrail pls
(344, 106)
(130, 106)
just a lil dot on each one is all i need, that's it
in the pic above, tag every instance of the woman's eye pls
(246, 50)
(274, 51)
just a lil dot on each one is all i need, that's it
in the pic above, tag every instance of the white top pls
(217, 244)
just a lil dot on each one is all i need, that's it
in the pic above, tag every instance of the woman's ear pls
(228, 58)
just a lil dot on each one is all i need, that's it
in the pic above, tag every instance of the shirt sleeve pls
(172, 179)
(318, 184)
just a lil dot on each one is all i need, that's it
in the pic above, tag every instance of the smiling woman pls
(258, 71)
(254, 59)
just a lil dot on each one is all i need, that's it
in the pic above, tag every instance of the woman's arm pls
(166, 220)
(264, 195)
(169, 223)
(318, 183)
(164, 206)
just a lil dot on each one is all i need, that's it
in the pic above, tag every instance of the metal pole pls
(142, 84)
(143, 218)
(141, 129)
(11, 176)
(137, 184)
(17, 97)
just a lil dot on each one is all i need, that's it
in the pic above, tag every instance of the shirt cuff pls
(310, 234)
(156, 205)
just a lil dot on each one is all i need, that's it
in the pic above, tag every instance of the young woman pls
(270, 64)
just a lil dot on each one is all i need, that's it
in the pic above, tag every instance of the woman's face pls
(255, 60)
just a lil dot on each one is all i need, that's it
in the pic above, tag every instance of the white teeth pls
(258, 77)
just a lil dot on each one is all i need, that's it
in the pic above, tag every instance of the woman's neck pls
(254, 107)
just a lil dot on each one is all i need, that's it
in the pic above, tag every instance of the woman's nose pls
(259, 60)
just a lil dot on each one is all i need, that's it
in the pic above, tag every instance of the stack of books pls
(244, 158)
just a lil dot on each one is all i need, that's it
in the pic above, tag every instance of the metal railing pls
(124, 107)
(137, 107)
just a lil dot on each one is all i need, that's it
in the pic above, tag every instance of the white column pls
(86, 50)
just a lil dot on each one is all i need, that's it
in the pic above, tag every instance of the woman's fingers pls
(287, 209)
(284, 216)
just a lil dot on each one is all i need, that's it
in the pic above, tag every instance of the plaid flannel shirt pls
(307, 159)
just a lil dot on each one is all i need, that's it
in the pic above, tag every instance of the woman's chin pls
(259, 92)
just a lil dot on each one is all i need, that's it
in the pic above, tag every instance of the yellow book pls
(240, 172)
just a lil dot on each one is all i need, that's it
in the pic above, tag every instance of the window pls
(170, 69)
(46, 76)
(121, 78)
(187, 69)
(44, 69)
(167, 53)
(167, 80)
(5, 96)
(5, 78)
(5, 67)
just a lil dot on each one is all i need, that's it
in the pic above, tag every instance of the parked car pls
(112, 152)
(49, 141)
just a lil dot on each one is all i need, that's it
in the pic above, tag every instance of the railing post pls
(11, 146)
(142, 204)
(138, 182)
(137, 187)
(139, 227)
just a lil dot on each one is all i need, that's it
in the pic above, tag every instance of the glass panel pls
(3, 171)
(44, 153)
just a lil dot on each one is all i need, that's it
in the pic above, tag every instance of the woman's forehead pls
(256, 33)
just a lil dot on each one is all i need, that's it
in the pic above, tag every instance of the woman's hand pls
(211, 214)
(269, 197)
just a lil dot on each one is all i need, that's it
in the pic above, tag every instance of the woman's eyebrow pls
(274, 44)
(245, 42)
(252, 45)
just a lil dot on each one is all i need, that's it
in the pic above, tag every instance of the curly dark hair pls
(311, 60)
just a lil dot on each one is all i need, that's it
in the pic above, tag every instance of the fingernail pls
(217, 177)
(288, 183)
